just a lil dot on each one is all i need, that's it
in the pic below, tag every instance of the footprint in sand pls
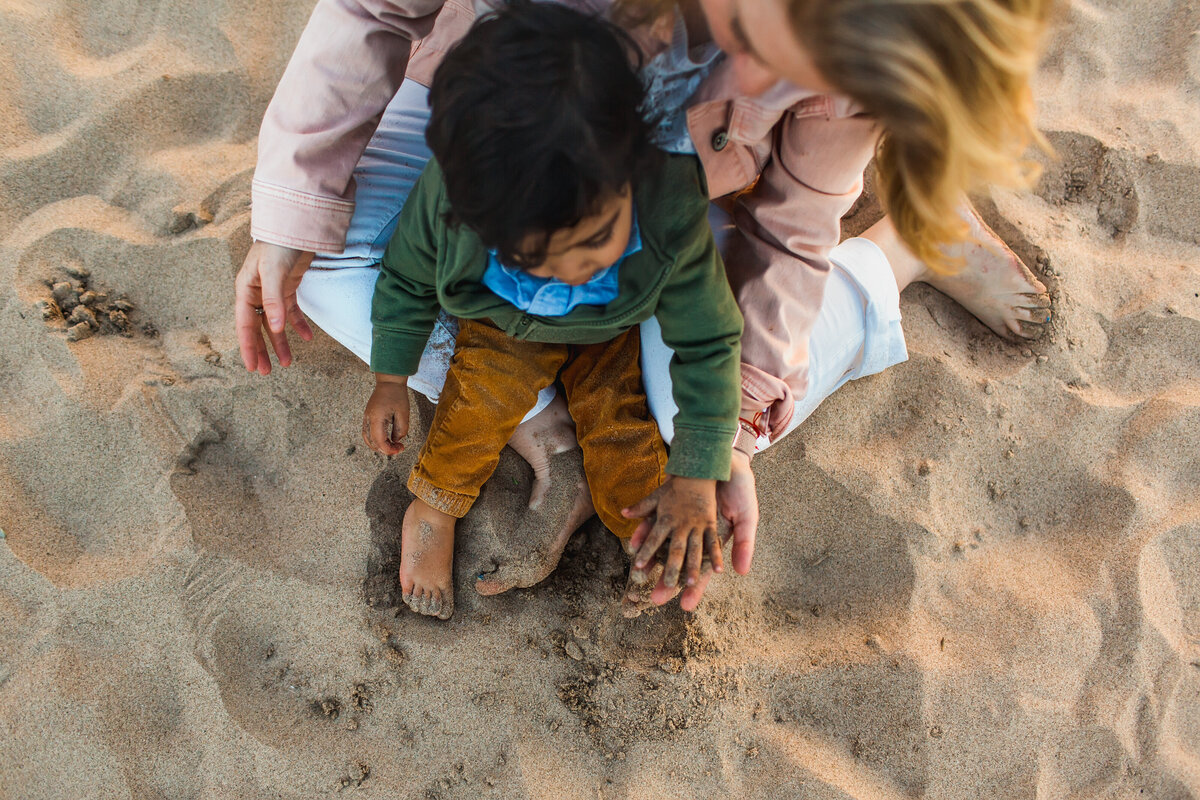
(285, 655)
(1091, 172)
(284, 641)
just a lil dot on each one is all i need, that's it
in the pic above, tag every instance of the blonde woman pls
(784, 102)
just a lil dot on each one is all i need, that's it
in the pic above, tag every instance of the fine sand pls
(978, 573)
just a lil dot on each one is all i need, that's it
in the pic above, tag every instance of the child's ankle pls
(433, 515)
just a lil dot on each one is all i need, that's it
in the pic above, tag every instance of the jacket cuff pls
(300, 220)
(701, 453)
(394, 353)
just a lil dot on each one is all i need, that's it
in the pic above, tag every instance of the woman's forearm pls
(346, 67)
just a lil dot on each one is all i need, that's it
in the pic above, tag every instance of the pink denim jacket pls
(789, 163)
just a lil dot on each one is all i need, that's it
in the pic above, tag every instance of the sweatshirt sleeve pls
(347, 66)
(405, 304)
(778, 256)
(701, 323)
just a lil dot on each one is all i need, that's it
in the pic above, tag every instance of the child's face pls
(574, 255)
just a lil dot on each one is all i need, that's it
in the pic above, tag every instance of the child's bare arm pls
(681, 513)
(385, 420)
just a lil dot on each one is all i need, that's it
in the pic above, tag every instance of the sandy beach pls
(978, 573)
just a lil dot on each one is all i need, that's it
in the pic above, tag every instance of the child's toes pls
(423, 601)
(432, 603)
(412, 599)
(447, 609)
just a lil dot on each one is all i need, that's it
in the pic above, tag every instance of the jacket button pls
(719, 140)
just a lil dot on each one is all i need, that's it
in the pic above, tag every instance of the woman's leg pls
(857, 331)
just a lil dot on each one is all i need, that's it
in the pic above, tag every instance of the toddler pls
(550, 227)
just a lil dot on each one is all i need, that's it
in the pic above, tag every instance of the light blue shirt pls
(550, 297)
(671, 78)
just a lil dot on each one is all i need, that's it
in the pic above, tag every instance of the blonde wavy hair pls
(949, 81)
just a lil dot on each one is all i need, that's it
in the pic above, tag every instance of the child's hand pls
(685, 512)
(385, 421)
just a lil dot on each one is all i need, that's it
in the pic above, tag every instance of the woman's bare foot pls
(993, 283)
(427, 560)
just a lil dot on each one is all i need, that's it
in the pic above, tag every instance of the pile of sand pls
(978, 573)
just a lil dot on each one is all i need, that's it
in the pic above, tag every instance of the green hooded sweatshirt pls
(677, 277)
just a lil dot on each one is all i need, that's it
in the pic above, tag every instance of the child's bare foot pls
(427, 560)
(538, 440)
(530, 551)
(559, 502)
(993, 283)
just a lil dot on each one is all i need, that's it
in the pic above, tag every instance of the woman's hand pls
(685, 515)
(385, 420)
(737, 500)
(268, 281)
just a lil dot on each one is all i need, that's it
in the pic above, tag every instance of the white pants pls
(857, 331)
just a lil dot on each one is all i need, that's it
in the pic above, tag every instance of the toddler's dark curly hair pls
(536, 122)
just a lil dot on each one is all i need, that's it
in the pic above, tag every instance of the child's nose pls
(581, 272)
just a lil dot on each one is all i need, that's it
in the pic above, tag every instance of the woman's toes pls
(1041, 300)
(1039, 316)
(1026, 314)
(1037, 303)
(1029, 330)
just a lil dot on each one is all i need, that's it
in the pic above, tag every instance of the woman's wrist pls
(399, 380)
